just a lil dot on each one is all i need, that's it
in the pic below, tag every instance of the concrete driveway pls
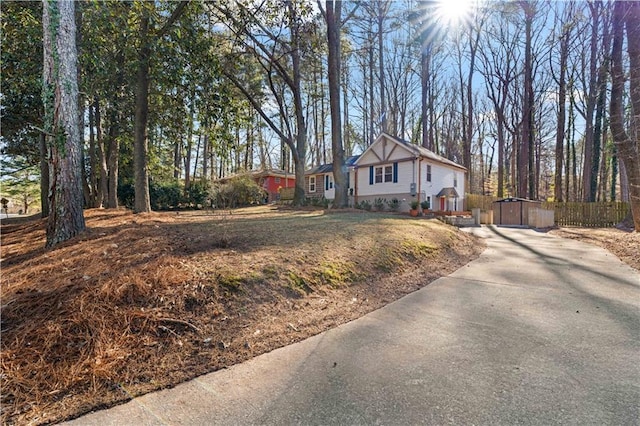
(538, 330)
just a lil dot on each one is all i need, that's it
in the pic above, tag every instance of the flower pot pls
(413, 212)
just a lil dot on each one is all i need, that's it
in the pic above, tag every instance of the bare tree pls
(566, 27)
(627, 14)
(279, 57)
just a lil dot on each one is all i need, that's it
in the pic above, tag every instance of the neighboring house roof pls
(418, 150)
(448, 192)
(328, 168)
(262, 173)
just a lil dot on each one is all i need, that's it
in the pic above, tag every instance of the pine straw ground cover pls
(143, 302)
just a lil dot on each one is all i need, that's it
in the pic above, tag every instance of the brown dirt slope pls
(143, 302)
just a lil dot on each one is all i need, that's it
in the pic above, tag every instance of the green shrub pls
(363, 205)
(162, 195)
(379, 203)
(237, 191)
(198, 193)
(126, 194)
(165, 195)
(394, 204)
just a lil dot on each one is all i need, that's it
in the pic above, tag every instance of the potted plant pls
(414, 208)
(425, 206)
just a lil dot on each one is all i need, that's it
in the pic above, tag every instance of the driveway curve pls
(537, 330)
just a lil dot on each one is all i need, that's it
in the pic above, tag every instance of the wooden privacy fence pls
(590, 215)
(286, 194)
(476, 201)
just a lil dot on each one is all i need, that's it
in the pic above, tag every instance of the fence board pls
(286, 194)
(589, 215)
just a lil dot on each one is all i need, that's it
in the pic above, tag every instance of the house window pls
(277, 180)
(312, 184)
(455, 180)
(428, 172)
(384, 174)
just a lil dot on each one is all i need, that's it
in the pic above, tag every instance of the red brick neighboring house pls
(272, 181)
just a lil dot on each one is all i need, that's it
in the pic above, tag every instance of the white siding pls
(406, 176)
(330, 193)
(442, 177)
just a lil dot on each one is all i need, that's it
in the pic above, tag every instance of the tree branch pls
(178, 11)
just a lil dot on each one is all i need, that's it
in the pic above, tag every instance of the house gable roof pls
(415, 150)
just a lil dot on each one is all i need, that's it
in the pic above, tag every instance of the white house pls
(319, 180)
(392, 168)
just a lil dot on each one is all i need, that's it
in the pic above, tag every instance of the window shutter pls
(370, 175)
(395, 172)
(326, 182)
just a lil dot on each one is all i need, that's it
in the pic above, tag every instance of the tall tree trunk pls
(501, 156)
(93, 162)
(147, 37)
(103, 189)
(60, 97)
(591, 104)
(382, 7)
(525, 157)
(177, 158)
(627, 145)
(44, 177)
(425, 61)
(466, 151)
(142, 203)
(333, 13)
(614, 174)
(599, 115)
(372, 118)
(560, 129)
(300, 152)
(205, 155)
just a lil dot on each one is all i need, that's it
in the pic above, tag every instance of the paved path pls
(538, 330)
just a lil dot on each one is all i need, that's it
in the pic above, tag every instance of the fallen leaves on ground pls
(143, 302)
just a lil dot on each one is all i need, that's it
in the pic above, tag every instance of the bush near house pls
(237, 191)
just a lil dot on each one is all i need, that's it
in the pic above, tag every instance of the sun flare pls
(454, 11)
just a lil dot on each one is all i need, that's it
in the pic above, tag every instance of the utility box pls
(513, 211)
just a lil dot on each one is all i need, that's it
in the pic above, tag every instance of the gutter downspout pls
(355, 186)
(419, 178)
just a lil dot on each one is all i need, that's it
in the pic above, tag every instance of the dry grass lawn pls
(143, 302)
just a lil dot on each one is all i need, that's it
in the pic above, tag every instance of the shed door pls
(511, 213)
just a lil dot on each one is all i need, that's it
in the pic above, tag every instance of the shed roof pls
(515, 199)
